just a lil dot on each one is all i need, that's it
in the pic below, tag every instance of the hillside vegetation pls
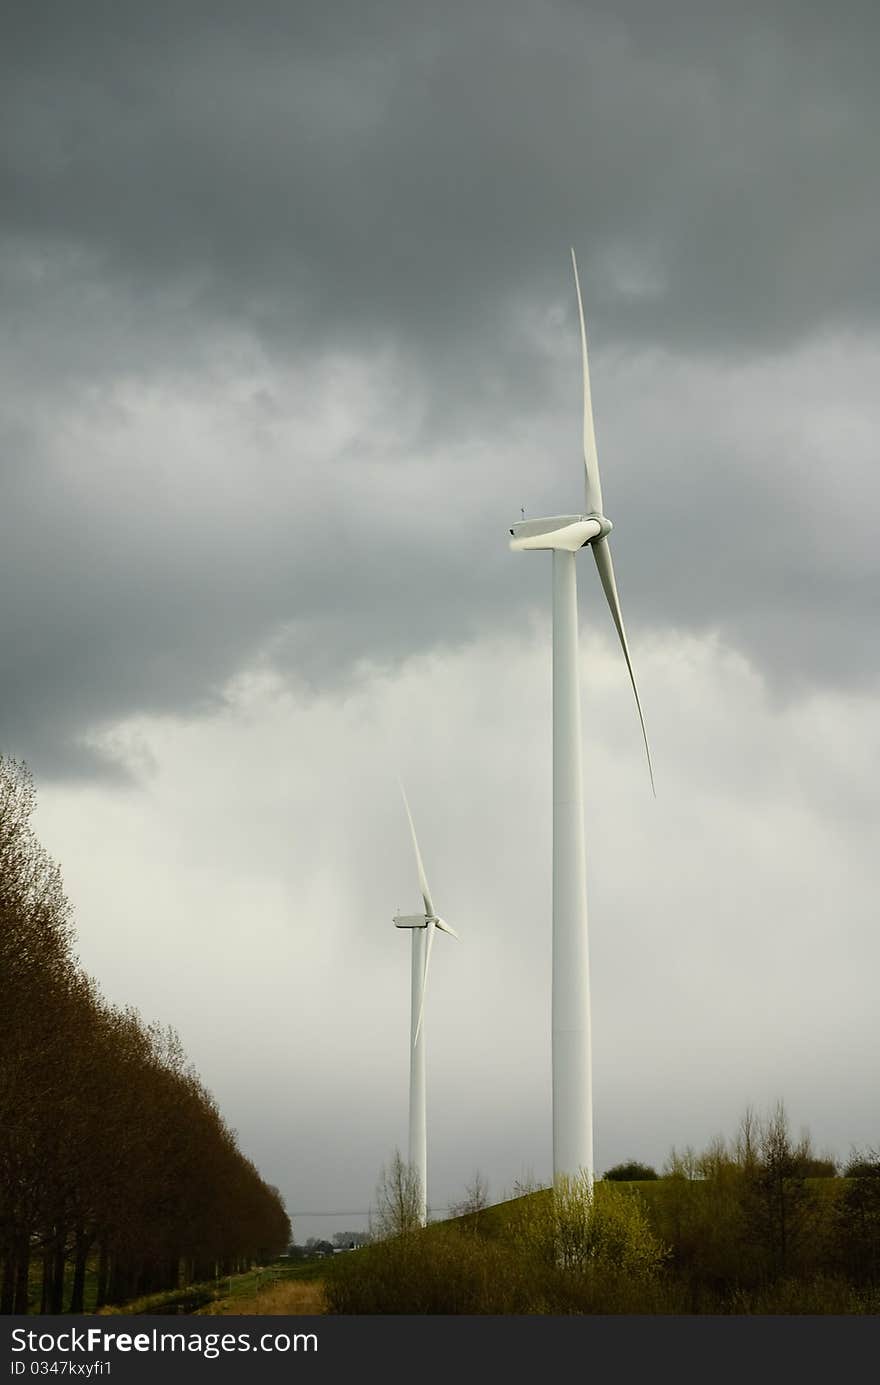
(741, 1228)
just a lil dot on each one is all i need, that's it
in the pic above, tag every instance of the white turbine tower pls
(564, 535)
(423, 927)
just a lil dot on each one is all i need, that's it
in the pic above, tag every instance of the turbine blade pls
(423, 880)
(602, 554)
(591, 456)
(447, 928)
(432, 929)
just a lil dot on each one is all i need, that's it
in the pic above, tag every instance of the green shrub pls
(821, 1294)
(633, 1172)
(440, 1269)
(572, 1250)
(857, 1223)
(591, 1250)
(861, 1165)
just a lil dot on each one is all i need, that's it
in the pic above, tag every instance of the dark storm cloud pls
(405, 180)
(384, 169)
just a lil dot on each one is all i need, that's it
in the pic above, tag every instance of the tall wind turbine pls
(563, 535)
(423, 927)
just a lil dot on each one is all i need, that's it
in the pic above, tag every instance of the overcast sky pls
(287, 339)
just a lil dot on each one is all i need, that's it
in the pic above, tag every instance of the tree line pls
(114, 1160)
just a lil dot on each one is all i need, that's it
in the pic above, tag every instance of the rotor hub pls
(569, 532)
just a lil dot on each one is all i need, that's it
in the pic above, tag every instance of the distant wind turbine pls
(423, 928)
(564, 535)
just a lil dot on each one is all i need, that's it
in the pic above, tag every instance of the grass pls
(287, 1296)
(277, 1289)
(181, 1300)
(233, 1294)
(35, 1285)
(264, 1290)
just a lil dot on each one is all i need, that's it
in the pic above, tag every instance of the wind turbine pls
(564, 535)
(423, 927)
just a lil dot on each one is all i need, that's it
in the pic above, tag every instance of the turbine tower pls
(423, 927)
(563, 535)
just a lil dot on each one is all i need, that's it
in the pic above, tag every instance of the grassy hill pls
(735, 1241)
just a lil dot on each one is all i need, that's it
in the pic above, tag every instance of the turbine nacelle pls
(568, 532)
(422, 921)
(428, 920)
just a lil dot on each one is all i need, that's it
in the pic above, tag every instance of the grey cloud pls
(336, 174)
(186, 186)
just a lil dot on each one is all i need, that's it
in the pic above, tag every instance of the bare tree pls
(398, 1200)
(475, 1200)
(747, 1141)
(683, 1164)
(780, 1205)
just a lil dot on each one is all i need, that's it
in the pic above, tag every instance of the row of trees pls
(805, 1164)
(112, 1154)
